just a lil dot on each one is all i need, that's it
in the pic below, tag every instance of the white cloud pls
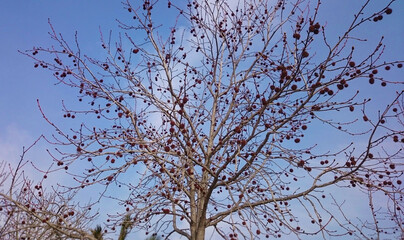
(12, 141)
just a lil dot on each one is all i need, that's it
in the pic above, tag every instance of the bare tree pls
(205, 124)
(27, 211)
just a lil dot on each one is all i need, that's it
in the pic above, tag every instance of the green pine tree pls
(97, 232)
(126, 225)
(153, 237)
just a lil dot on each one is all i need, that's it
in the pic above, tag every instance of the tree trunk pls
(199, 222)
(200, 235)
(198, 232)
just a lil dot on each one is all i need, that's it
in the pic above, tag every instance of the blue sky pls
(24, 24)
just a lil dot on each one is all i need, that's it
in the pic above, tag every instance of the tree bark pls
(198, 232)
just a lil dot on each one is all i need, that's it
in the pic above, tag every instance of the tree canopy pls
(212, 120)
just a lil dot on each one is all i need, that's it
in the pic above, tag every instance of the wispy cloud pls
(12, 140)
